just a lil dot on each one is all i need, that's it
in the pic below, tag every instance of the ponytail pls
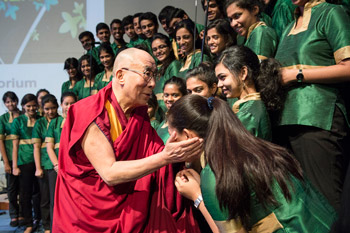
(269, 84)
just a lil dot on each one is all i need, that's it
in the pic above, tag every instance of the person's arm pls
(15, 170)
(187, 183)
(50, 147)
(101, 155)
(37, 159)
(326, 75)
(7, 166)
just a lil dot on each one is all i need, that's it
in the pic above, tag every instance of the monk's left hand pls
(186, 150)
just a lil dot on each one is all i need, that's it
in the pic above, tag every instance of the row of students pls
(26, 157)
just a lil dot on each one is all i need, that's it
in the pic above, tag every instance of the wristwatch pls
(198, 201)
(300, 76)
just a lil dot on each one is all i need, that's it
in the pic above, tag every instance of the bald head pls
(131, 57)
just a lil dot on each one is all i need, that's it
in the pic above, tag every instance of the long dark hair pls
(72, 61)
(189, 26)
(106, 47)
(11, 95)
(205, 73)
(94, 66)
(265, 76)
(241, 162)
(223, 27)
(171, 56)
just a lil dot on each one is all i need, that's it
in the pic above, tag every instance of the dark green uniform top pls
(322, 40)
(6, 121)
(22, 129)
(38, 136)
(53, 134)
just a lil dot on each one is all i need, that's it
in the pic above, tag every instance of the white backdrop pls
(38, 35)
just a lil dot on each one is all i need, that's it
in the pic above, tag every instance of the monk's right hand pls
(186, 150)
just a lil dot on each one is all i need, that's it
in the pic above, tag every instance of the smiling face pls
(185, 40)
(213, 10)
(241, 19)
(86, 42)
(148, 28)
(106, 59)
(85, 68)
(72, 72)
(137, 26)
(30, 108)
(104, 35)
(10, 104)
(160, 50)
(171, 94)
(230, 84)
(216, 42)
(130, 80)
(67, 102)
(50, 110)
(117, 31)
(130, 31)
(198, 87)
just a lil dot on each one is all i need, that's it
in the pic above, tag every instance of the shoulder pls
(264, 30)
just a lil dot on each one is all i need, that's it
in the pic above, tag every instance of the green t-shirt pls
(82, 89)
(171, 70)
(162, 131)
(254, 117)
(66, 86)
(262, 39)
(322, 40)
(94, 52)
(133, 43)
(53, 133)
(282, 15)
(5, 133)
(101, 80)
(191, 61)
(22, 129)
(308, 211)
(38, 136)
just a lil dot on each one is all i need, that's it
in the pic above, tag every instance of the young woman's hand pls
(187, 183)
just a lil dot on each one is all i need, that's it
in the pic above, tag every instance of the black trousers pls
(322, 154)
(52, 174)
(26, 179)
(12, 183)
(45, 200)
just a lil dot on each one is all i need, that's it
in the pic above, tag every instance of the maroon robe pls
(85, 203)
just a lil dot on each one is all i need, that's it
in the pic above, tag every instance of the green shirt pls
(66, 86)
(38, 136)
(101, 80)
(191, 61)
(133, 43)
(116, 47)
(262, 39)
(94, 52)
(282, 15)
(82, 89)
(5, 133)
(322, 40)
(254, 117)
(163, 132)
(22, 129)
(155, 124)
(308, 211)
(53, 133)
(171, 70)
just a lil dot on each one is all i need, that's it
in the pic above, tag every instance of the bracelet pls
(198, 201)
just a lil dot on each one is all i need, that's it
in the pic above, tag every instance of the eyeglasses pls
(160, 47)
(147, 75)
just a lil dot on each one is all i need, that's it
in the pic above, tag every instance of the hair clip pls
(210, 103)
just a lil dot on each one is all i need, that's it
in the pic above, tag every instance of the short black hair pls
(118, 21)
(101, 26)
(149, 16)
(86, 33)
(165, 12)
(127, 20)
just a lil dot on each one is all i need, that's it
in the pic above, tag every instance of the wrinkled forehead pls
(145, 62)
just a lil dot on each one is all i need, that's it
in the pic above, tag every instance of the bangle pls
(198, 201)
